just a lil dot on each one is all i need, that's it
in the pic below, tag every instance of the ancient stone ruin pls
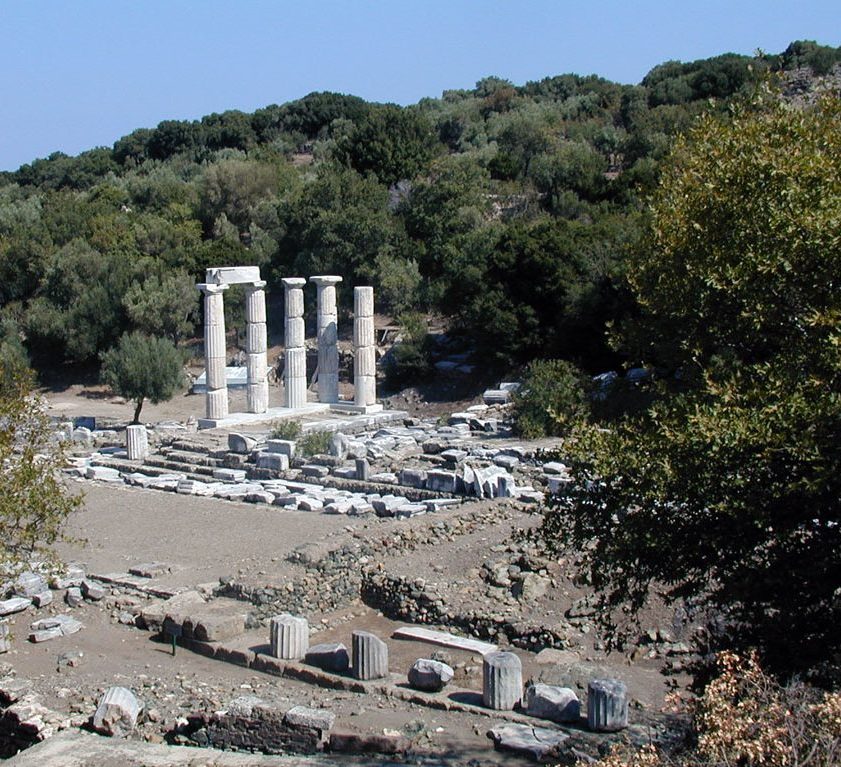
(219, 279)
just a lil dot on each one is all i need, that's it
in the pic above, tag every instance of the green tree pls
(726, 490)
(141, 367)
(551, 400)
(164, 305)
(35, 502)
(391, 142)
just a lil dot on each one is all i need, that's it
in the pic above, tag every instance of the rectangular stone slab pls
(444, 639)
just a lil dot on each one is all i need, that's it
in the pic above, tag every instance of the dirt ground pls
(205, 540)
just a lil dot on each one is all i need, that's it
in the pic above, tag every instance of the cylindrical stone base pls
(289, 636)
(257, 397)
(607, 705)
(296, 391)
(364, 390)
(370, 656)
(502, 680)
(137, 442)
(216, 403)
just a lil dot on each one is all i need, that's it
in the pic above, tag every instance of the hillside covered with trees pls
(507, 209)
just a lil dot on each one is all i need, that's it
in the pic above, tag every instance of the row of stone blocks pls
(289, 639)
(502, 673)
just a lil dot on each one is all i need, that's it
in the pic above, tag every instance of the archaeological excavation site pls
(481, 429)
(299, 570)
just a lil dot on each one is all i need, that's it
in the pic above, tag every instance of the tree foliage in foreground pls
(141, 367)
(34, 504)
(726, 491)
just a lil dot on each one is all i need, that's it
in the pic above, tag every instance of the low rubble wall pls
(402, 599)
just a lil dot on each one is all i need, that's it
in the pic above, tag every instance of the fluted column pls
(327, 336)
(257, 395)
(289, 636)
(370, 656)
(502, 680)
(295, 356)
(216, 398)
(137, 442)
(364, 348)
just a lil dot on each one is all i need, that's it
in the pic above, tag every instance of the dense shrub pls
(552, 398)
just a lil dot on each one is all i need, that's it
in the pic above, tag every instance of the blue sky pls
(75, 74)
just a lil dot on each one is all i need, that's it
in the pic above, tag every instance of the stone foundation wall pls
(263, 731)
(402, 599)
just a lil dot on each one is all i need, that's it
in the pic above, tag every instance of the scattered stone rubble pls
(396, 470)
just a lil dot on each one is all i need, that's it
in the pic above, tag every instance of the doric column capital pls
(293, 282)
(210, 289)
(326, 280)
(256, 285)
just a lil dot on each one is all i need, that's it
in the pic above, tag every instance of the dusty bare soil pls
(204, 540)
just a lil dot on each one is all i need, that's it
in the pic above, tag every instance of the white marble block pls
(363, 331)
(296, 363)
(364, 390)
(607, 705)
(294, 335)
(289, 637)
(255, 337)
(365, 361)
(256, 367)
(257, 397)
(137, 442)
(363, 302)
(255, 303)
(216, 403)
(502, 680)
(370, 656)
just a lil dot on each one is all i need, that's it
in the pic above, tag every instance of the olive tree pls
(35, 503)
(727, 489)
(142, 367)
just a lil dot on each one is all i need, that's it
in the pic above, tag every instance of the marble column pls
(216, 398)
(137, 442)
(327, 336)
(364, 348)
(295, 356)
(257, 393)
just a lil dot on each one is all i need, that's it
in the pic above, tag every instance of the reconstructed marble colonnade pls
(218, 280)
